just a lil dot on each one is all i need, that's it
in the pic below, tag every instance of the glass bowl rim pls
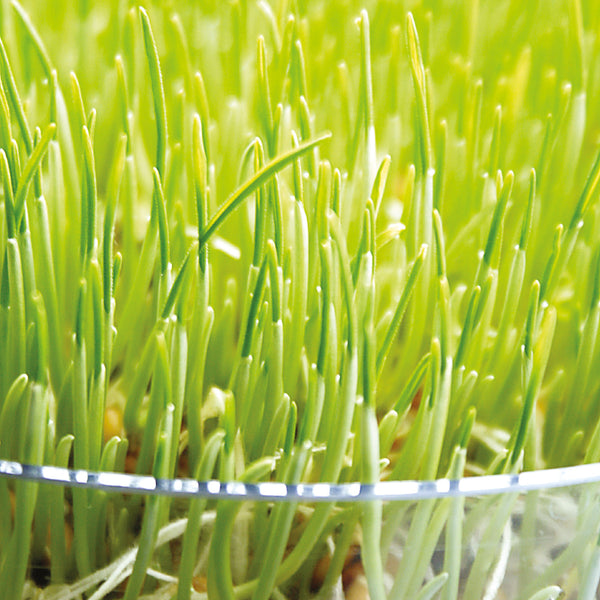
(305, 492)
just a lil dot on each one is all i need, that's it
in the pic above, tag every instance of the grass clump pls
(296, 242)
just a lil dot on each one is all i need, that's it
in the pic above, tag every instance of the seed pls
(113, 423)
(358, 590)
(199, 583)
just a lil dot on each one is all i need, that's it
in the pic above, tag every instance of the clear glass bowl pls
(528, 536)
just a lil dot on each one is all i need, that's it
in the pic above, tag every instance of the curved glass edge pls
(310, 492)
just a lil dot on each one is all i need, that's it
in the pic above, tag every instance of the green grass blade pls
(158, 92)
(31, 166)
(254, 183)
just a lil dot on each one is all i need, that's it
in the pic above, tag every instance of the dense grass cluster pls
(290, 241)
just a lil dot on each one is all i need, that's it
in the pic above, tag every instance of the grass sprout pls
(299, 242)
